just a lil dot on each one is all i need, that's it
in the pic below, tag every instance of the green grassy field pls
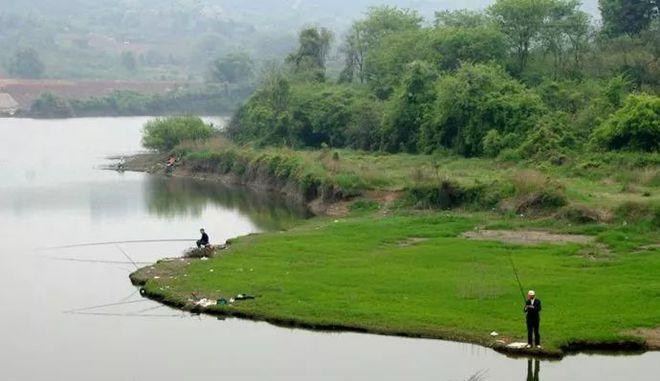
(410, 273)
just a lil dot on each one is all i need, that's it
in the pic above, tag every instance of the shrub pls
(163, 134)
(445, 195)
(635, 126)
(552, 136)
(534, 192)
(475, 100)
(50, 106)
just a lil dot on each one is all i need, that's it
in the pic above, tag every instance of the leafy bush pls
(50, 106)
(476, 99)
(635, 126)
(445, 195)
(551, 137)
(163, 134)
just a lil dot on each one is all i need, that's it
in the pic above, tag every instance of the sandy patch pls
(526, 237)
(651, 335)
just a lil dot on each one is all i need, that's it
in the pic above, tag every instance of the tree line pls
(523, 78)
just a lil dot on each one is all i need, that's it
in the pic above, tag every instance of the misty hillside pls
(175, 39)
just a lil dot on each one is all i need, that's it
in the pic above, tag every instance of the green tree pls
(476, 99)
(310, 58)
(49, 105)
(635, 126)
(128, 61)
(565, 29)
(366, 34)
(521, 21)
(462, 18)
(26, 64)
(163, 134)
(408, 108)
(265, 118)
(627, 16)
(232, 69)
(461, 44)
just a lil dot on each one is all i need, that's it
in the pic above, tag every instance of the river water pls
(53, 193)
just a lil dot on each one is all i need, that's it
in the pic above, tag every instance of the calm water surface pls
(51, 194)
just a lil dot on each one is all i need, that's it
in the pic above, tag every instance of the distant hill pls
(175, 39)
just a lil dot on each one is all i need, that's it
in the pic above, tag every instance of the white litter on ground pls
(494, 334)
(205, 303)
(517, 345)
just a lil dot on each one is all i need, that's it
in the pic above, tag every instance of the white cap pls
(531, 293)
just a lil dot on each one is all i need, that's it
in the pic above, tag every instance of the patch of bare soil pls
(385, 198)
(526, 237)
(651, 335)
(411, 241)
(338, 209)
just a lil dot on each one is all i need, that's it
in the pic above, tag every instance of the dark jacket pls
(205, 239)
(533, 313)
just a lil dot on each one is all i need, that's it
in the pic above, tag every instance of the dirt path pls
(526, 237)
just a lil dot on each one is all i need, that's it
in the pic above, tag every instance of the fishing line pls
(150, 309)
(515, 272)
(103, 261)
(127, 256)
(106, 305)
(123, 315)
(115, 243)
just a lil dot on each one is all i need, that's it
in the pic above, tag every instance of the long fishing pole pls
(116, 242)
(127, 256)
(101, 261)
(515, 272)
(105, 305)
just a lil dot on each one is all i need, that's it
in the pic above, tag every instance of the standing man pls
(533, 312)
(204, 241)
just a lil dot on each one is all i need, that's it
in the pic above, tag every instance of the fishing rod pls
(127, 256)
(102, 261)
(105, 305)
(515, 272)
(116, 243)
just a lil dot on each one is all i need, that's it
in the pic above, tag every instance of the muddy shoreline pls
(153, 163)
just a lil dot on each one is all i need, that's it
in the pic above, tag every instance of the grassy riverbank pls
(413, 274)
(382, 265)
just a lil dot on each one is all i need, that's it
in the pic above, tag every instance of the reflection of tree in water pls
(171, 197)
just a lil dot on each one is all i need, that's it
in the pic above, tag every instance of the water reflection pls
(176, 197)
(533, 372)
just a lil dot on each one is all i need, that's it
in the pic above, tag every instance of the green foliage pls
(309, 60)
(461, 19)
(128, 61)
(206, 100)
(163, 134)
(627, 16)
(474, 100)
(232, 68)
(50, 106)
(635, 126)
(26, 64)
(407, 109)
(521, 21)
(476, 44)
(550, 138)
(364, 129)
(369, 33)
